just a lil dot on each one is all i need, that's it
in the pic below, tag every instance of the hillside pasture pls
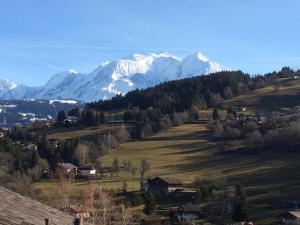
(186, 152)
(285, 93)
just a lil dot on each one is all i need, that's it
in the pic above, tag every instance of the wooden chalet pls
(163, 185)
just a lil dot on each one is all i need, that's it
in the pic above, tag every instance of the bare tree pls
(116, 166)
(126, 216)
(132, 170)
(121, 133)
(98, 203)
(82, 154)
(102, 208)
(64, 187)
(145, 167)
(100, 168)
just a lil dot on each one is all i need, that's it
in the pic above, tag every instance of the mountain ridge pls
(115, 77)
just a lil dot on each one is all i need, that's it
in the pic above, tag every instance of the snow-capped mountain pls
(116, 77)
(6, 85)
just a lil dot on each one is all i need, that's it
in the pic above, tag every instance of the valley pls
(28, 111)
(187, 153)
(150, 112)
(213, 143)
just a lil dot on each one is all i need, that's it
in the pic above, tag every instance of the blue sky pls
(39, 38)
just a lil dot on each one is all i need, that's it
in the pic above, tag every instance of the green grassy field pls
(285, 93)
(187, 153)
(61, 133)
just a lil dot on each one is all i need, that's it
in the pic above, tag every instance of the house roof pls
(295, 213)
(16, 209)
(171, 180)
(68, 165)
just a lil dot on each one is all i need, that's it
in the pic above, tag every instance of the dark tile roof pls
(16, 209)
(170, 180)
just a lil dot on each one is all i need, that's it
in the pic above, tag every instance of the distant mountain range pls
(114, 77)
(14, 112)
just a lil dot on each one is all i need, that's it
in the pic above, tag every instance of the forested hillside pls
(202, 91)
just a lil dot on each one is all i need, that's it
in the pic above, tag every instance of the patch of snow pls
(27, 114)
(72, 71)
(63, 101)
(8, 106)
(29, 100)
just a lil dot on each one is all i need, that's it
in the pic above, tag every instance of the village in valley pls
(167, 198)
(151, 112)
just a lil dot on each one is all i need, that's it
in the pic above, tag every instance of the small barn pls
(163, 185)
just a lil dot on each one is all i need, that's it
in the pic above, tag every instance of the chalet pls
(243, 108)
(189, 212)
(53, 143)
(291, 217)
(295, 77)
(70, 120)
(163, 185)
(85, 171)
(48, 124)
(262, 119)
(29, 147)
(2, 134)
(68, 167)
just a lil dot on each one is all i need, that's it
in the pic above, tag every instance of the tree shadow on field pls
(189, 136)
(284, 100)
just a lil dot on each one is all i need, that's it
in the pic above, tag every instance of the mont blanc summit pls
(114, 77)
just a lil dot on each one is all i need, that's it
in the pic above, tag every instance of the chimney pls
(47, 221)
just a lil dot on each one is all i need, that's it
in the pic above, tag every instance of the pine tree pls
(240, 208)
(61, 116)
(150, 204)
(215, 114)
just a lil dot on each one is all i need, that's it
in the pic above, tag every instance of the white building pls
(87, 171)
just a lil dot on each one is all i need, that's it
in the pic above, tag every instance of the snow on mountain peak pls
(72, 71)
(6, 85)
(117, 77)
(201, 57)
